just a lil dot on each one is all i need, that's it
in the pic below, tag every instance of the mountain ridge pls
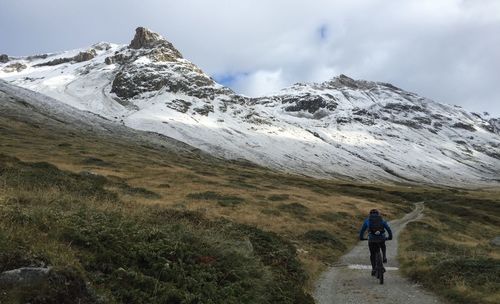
(340, 128)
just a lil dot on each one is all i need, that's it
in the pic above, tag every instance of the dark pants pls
(374, 247)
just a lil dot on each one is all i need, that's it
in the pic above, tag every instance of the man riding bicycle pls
(376, 235)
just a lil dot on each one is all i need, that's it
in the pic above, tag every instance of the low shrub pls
(323, 237)
(278, 197)
(296, 209)
(222, 199)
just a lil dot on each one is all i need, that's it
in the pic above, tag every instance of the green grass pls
(449, 251)
(130, 253)
(324, 237)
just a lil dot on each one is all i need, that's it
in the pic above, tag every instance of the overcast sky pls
(447, 50)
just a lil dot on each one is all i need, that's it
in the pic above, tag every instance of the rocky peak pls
(343, 81)
(144, 38)
(161, 49)
(4, 58)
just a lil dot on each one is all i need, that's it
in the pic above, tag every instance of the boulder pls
(26, 276)
(495, 241)
(4, 58)
(85, 56)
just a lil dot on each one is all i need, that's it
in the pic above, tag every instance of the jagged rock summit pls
(341, 128)
(146, 39)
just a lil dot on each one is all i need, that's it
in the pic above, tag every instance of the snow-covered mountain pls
(341, 128)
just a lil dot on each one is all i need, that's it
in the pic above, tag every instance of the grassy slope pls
(319, 218)
(449, 250)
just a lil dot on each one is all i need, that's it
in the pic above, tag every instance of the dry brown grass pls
(449, 250)
(175, 176)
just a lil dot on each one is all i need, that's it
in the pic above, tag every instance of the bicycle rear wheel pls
(379, 267)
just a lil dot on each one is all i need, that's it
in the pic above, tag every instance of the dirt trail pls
(350, 280)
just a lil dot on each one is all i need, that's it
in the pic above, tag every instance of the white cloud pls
(446, 50)
(260, 83)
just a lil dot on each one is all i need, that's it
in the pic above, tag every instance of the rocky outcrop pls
(14, 67)
(4, 58)
(179, 105)
(80, 57)
(56, 61)
(309, 103)
(101, 46)
(117, 58)
(85, 56)
(134, 80)
(146, 39)
(495, 125)
(343, 81)
(465, 126)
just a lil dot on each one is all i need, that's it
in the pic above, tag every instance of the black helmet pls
(374, 211)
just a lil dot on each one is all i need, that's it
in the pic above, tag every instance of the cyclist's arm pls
(362, 231)
(386, 226)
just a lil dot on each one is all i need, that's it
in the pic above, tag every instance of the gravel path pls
(350, 280)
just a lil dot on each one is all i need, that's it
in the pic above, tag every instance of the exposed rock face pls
(117, 58)
(14, 67)
(56, 61)
(134, 80)
(343, 81)
(309, 103)
(495, 125)
(146, 39)
(80, 57)
(4, 58)
(151, 63)
(465, 126)
(179, 105)
(85, 56)
(101, 46)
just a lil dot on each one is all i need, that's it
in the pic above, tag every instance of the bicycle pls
(379, 265)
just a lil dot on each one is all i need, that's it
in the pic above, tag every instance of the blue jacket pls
(373, 237)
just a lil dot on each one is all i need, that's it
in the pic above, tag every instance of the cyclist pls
(376, 227)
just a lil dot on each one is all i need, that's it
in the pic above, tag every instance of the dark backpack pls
(376, 224)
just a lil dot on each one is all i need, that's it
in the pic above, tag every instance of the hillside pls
(75, 188)
(119, 214)
(350, 130)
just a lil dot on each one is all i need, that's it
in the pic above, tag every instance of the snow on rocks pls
(341, 128)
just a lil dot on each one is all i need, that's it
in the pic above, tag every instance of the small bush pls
(93, 161)
(222, 199)
(296, 209)
(333, 216)
(323, 237)
(138, 191)
(271, 212)
(278, 197)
